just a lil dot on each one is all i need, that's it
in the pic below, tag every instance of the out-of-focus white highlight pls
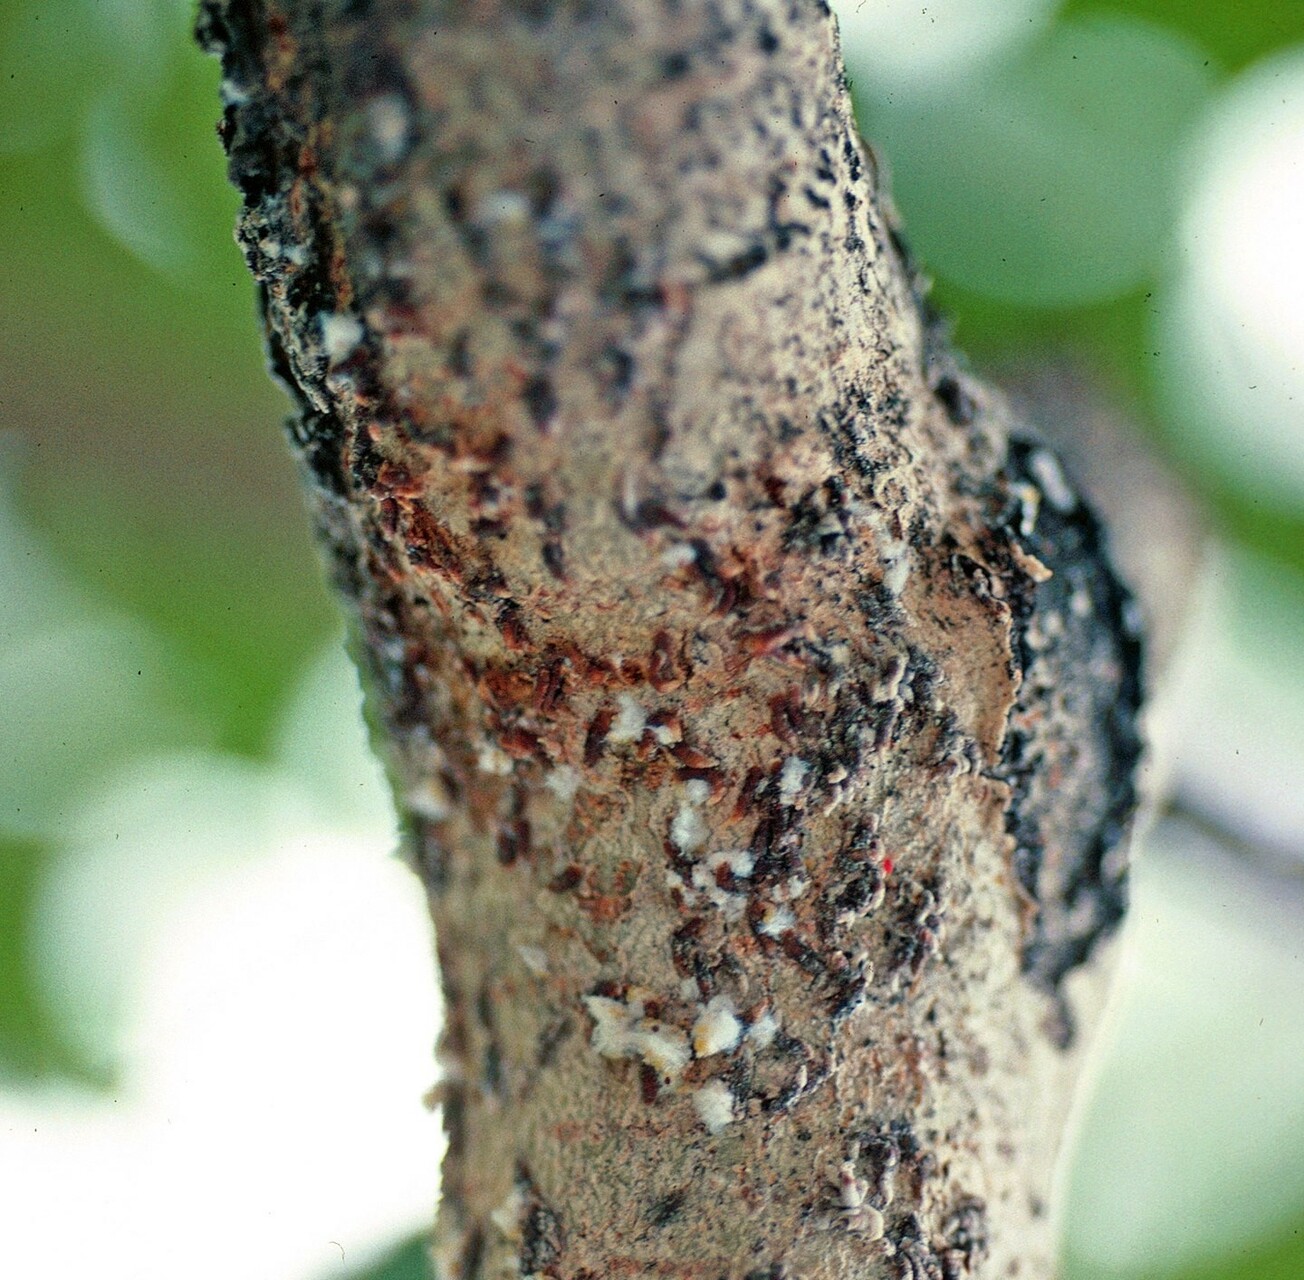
(279, 1012)
(75, 680)
(1194, 1138)
(904, 44)
(1237, 702)
(1232, 337)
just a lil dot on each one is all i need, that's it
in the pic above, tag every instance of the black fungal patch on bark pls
(665, 1209)
(966, 1234)
(550, 1040)
(541, 1240)
(857, 885)
(959, 405)
(473, 1255)
(288, 250)
(317, 435)
(249, 130)
(738, 266)
(917, 927)
(542, 1236)
(1073, 742)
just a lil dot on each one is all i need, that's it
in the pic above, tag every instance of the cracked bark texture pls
(760, 700)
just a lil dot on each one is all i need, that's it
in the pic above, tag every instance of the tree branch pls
(762, 710)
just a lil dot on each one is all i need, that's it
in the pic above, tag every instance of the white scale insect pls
(858, 1214)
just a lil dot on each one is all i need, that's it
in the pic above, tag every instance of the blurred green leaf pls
(1280, 1257)
(905, 46)
(143, 36)
(1271, 533)
(74, 699)
(1112, 333)
(65, 272)
(234, 590)
(1049, 179)
(1266, 630)
(1236, 34)
(131, 188)
(153, 461)
(56, 55)
(51, 59)
(35, 590)
(153, 176)
(407, 1261)
(1192, 1140)
(32, 1044)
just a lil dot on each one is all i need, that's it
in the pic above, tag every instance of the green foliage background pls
(144, 483)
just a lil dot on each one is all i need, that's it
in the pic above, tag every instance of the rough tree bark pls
(760, 700)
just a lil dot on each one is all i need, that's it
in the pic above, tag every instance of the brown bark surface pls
(762, 707)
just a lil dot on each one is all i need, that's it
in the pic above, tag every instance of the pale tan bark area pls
(763, 719)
